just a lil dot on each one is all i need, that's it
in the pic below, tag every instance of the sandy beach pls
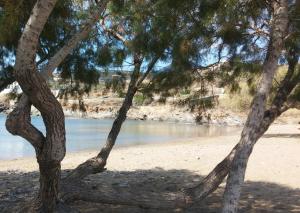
(272, 178)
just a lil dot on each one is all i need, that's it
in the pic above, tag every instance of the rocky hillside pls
(221, 109)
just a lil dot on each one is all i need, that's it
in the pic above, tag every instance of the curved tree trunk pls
(50, 149)
(250, 133)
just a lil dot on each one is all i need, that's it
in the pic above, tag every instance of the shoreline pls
(271, 183)
(155, 112)
(217, 116)
(279, 138)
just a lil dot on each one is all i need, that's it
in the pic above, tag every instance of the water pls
(84, 134)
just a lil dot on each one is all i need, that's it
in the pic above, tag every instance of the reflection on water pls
(85, 134)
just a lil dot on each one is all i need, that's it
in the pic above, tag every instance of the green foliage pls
(119, 56)
(230, 34)
(164, 82)
(139, 99)
(183, 34)
(296, 94)
(185, 91)
(6, 76)
(13, 15)
(142, 99)
(104, 56)
(232, 73)
(61, 25)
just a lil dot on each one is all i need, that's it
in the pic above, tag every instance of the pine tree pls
(50, 149)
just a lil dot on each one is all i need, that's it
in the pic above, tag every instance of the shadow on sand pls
(17, 188)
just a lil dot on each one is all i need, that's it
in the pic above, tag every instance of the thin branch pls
(111, 32)
(149, 69)
(73, 42)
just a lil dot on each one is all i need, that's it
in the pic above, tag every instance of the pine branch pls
(73, 42)
(149, 69)
(112, 33)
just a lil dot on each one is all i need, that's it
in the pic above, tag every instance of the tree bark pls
(125, 196)
(250, 133)
(279, 105)
(49, 185)
(56, 60)
(50, 149)
(18, 122)
(97, 164)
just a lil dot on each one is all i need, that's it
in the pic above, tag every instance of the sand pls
(272, 178)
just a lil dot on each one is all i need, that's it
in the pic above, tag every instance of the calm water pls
(83, 134)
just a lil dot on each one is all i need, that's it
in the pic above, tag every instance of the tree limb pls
(94, 16)
(149, 69)
(18, 122)
(113, 33)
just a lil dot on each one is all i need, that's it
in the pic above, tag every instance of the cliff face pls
(171, 111)
(99, 106)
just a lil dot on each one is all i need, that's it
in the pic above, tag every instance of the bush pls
(142, 99)
(139, 99)
(239, 101)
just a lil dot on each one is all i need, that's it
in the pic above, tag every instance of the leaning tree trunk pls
(250, 133)
(97, 164)
(211, 182)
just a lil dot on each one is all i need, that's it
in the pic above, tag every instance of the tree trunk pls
(97, 164)
(49, 186)
(250, 133)
(124, 196)
(50, 149)
(211, 182)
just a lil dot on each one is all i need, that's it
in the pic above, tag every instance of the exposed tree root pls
(121, 196)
